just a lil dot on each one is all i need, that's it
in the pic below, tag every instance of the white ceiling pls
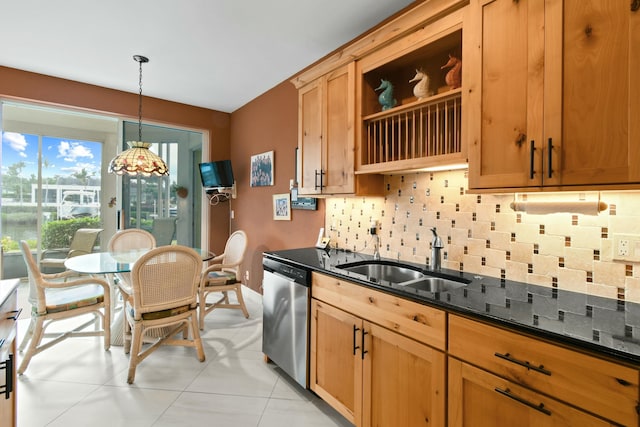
(217, 54)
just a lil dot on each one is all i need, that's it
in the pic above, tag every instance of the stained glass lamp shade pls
(138, 160)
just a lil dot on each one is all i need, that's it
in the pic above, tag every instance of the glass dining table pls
(114, 262)
(110, 263)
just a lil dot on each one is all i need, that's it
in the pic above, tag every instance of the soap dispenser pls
(436, 249)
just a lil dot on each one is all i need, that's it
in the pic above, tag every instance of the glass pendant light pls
(138, 159)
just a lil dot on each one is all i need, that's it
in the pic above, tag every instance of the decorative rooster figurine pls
(386, 98)
(453, 77)
(421, 90)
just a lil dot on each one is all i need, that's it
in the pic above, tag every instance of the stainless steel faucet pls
(436, 251)
(376, 239)
(376, 247)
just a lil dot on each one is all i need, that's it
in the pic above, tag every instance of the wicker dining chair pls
(131, 238)
(123, 241)
(83, 241)
(164, 229)
(161, 302)
(223, 275)
(61, 296)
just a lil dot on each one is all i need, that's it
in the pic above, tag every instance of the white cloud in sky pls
(76, 168)
(17, 142)
(71, 151)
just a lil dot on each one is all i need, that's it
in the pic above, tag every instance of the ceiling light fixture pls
(138, 159)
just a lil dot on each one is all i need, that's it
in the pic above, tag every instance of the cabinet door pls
(310, 137)
(553, 96)
(505, 92)
(8, 325)
(338, 134)
(403, 381)
(336, 362)
(588, 95)
(478, 398)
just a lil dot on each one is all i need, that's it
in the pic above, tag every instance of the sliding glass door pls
(51, 180)
(153, 203)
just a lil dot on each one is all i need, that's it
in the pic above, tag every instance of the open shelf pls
(415, 131)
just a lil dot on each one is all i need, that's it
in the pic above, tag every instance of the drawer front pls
(417, 321)
(599, 386)
(8, 319)
(479, 398)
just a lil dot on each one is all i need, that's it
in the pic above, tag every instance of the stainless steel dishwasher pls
(285, 318)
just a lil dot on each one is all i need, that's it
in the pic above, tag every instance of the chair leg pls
(202, 308)
(241, 300)
(28, 335)
(106, 327)
(38, 333)
(134, 357)
(126, 339)
(196, 337)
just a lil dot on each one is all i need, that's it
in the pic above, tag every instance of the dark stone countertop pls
(605, 326)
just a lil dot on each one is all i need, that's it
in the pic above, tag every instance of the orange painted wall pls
(269, 122)
(26, 86)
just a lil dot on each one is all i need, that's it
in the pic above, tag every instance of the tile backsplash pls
(483, 235)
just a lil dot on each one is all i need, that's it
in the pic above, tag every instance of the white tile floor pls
(77, 383)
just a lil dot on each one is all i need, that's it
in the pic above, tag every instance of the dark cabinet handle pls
(7, 388)
(550, 157)
(531, 160)
(16, 315)
(635, 5)
(355, 347)
(525, 364)
(519, 399)
(363, 350)
(319, 173)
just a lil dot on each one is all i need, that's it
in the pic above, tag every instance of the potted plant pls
(182, 192)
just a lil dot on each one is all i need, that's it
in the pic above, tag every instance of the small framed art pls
(262, 169)
(281, 207)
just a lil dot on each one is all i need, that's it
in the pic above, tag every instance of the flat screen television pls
(216, 174)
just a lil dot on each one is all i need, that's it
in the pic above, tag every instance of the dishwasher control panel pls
(297, 274)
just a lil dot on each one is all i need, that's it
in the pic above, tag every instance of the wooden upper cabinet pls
(310, 137)
(552, 94)
(326, 136)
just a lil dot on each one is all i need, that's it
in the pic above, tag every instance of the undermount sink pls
(402, 275)
(433, 284)
(378, 271)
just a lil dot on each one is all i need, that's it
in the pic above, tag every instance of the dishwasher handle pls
(282, 276)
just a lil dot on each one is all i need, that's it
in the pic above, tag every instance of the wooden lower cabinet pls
(336, 366)
(372, 375)
(479, 398)
(8, 326)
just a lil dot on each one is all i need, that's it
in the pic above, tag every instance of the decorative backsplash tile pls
(483, 235)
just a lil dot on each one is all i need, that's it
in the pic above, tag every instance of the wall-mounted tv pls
(216, 174)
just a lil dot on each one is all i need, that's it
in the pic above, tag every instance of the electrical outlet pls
(623, 247)
(626, 247)
(246, 275)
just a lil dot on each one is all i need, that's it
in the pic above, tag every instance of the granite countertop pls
(6, 288)
(602, 325)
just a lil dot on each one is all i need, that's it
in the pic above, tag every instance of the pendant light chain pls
(140, 105)
(141, 59)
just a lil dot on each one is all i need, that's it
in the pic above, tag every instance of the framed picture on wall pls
(262, 169)
(281, 207)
